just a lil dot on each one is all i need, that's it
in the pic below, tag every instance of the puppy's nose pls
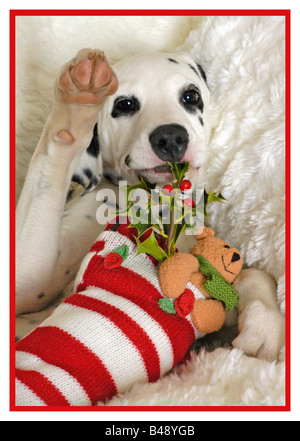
(169, 142)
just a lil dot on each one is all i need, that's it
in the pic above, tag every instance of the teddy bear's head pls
(224, 258)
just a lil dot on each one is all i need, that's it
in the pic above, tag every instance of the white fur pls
(219, 378)
(244, 60)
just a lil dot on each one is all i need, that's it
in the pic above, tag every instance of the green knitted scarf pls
(216, 285)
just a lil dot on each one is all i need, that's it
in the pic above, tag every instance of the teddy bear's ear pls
(204, 232)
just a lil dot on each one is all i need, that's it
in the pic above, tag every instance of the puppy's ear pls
(204, 233)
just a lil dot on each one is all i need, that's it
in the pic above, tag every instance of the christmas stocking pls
(113, 332)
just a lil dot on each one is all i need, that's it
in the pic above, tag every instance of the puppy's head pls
(159, 114)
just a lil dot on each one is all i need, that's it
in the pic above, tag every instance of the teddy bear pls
(211, 266)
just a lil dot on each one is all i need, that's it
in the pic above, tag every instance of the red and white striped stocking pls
(107, 336)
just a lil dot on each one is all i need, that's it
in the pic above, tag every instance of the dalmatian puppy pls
(110, 125)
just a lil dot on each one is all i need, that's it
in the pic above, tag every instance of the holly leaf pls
(144, 184)
(147, 184)
(123, 251)
(209, 198)
(179, 169)
(139, 216)
(179, 228)
(212, 197)
(167, 305)
(141, 227)
(184, 170)
(220, 196)
(150, 246)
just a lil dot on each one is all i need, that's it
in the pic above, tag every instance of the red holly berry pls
(189, 202)
(98, 246)
(185, 185)
(113, 260)
(184, 303)
(168, 190)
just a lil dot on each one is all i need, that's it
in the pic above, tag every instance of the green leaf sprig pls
(166, 204)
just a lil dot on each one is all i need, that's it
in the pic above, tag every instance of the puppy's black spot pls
(109, 178)
(201, 121)
(59, 295)
(201, 105)
(173, 61)
(78, 179)
(67, 272)
(202, 73)
(88, 173)
(128, 160)
(191, 109)
(194, 70)
(94, 147)
(93, 183)
(69, 195)
(41, 295)
(89, 217)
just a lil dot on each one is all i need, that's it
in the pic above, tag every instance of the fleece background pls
(244, 59)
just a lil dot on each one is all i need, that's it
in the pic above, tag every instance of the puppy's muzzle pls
(169, 142)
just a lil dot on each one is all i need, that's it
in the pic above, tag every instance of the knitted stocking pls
(109, 335)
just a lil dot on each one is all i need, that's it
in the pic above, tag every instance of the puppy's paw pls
(87, 79)
(261, 331)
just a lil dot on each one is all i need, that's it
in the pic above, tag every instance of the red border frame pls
(134, 12)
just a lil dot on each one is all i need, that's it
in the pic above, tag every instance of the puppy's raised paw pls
(87, 79)
(261, 331)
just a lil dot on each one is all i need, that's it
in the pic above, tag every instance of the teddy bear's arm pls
(198, 279)
(175, 272)
(208, 315)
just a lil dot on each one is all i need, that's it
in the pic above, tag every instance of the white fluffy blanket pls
(244, 58)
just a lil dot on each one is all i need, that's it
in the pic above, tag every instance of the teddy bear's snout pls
(235, 257)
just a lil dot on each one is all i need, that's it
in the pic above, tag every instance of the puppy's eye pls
(226, 246)
(124, 106)
(190, 97)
